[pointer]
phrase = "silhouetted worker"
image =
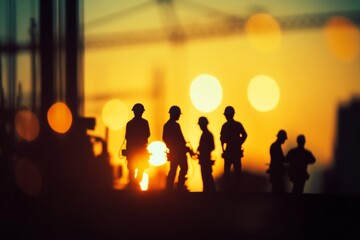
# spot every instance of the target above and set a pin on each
(298, 159)
(206, 146)
(277, 168)
(175, 142)
(136, 136)
(232, 137)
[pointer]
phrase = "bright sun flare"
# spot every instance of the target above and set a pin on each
(263, 93)
(205, 93)
(157, 150)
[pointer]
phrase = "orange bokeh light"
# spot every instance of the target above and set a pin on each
(27, 125)
(343, 38)
(59, 117)
(263, 32)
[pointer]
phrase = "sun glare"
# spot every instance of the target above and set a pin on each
(157, 150)
(27, 125)
(343, 38)
(263, 32)
(205, 93)
(115, 114)
(263, 93)
(59, 117)
(144, 184)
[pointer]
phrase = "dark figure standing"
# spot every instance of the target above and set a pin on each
(298, 159)
(277, 168)
(175, 142)
(232, 136)
(136, 136)
(206, 146)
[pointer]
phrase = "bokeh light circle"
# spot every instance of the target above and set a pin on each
(28, 177)
(343, 38)
(263, 32)
(263, 93)
(115, 114)
(206, 93)
(27, 125)
(59, 117)
(158, 153)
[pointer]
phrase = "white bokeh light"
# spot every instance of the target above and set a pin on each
(263, 93)
(206, 93)
(115, 114)
(158, 153)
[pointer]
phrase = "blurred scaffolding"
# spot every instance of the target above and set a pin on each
(214, 22)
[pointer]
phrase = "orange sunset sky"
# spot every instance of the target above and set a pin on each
(314, 71)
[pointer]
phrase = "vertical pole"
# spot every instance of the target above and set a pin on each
(2, 98)
(73, 55)
(33, 63)
(12, 54)
(46, 56)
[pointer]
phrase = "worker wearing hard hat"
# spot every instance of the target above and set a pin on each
(136, 136)
(175, 142)
(232, 137)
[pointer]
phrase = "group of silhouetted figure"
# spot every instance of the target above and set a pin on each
(294, 164)
(232, 136)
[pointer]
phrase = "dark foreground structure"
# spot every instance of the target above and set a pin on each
(163, 215)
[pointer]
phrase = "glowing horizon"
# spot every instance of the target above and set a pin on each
(311, 74)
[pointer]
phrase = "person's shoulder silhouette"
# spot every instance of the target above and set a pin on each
(175, 142)
(276, 169)
(136, 135)
(298, 159)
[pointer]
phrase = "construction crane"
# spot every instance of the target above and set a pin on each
(222, 24)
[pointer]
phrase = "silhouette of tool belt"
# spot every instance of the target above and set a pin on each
(124, 152)
(228, 154)
(127, 153)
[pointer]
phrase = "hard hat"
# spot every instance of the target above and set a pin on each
(203, 121)
(229, 110)
(138, 107)
(282, 133)
(174, 110)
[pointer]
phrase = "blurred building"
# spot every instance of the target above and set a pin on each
(344, 175)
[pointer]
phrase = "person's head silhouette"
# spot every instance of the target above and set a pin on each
(229, 112)
(282, 136)
(175, 112)
(301, 140)
(203, 122)
(138, 109)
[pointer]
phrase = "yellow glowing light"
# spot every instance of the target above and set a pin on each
(115, 114)
(263, 32)
(205, 93)
(144, 184)
(158, 153)
(343, 38)
(27, 125)
(28, 177)
(263, 93)
(59, 117)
